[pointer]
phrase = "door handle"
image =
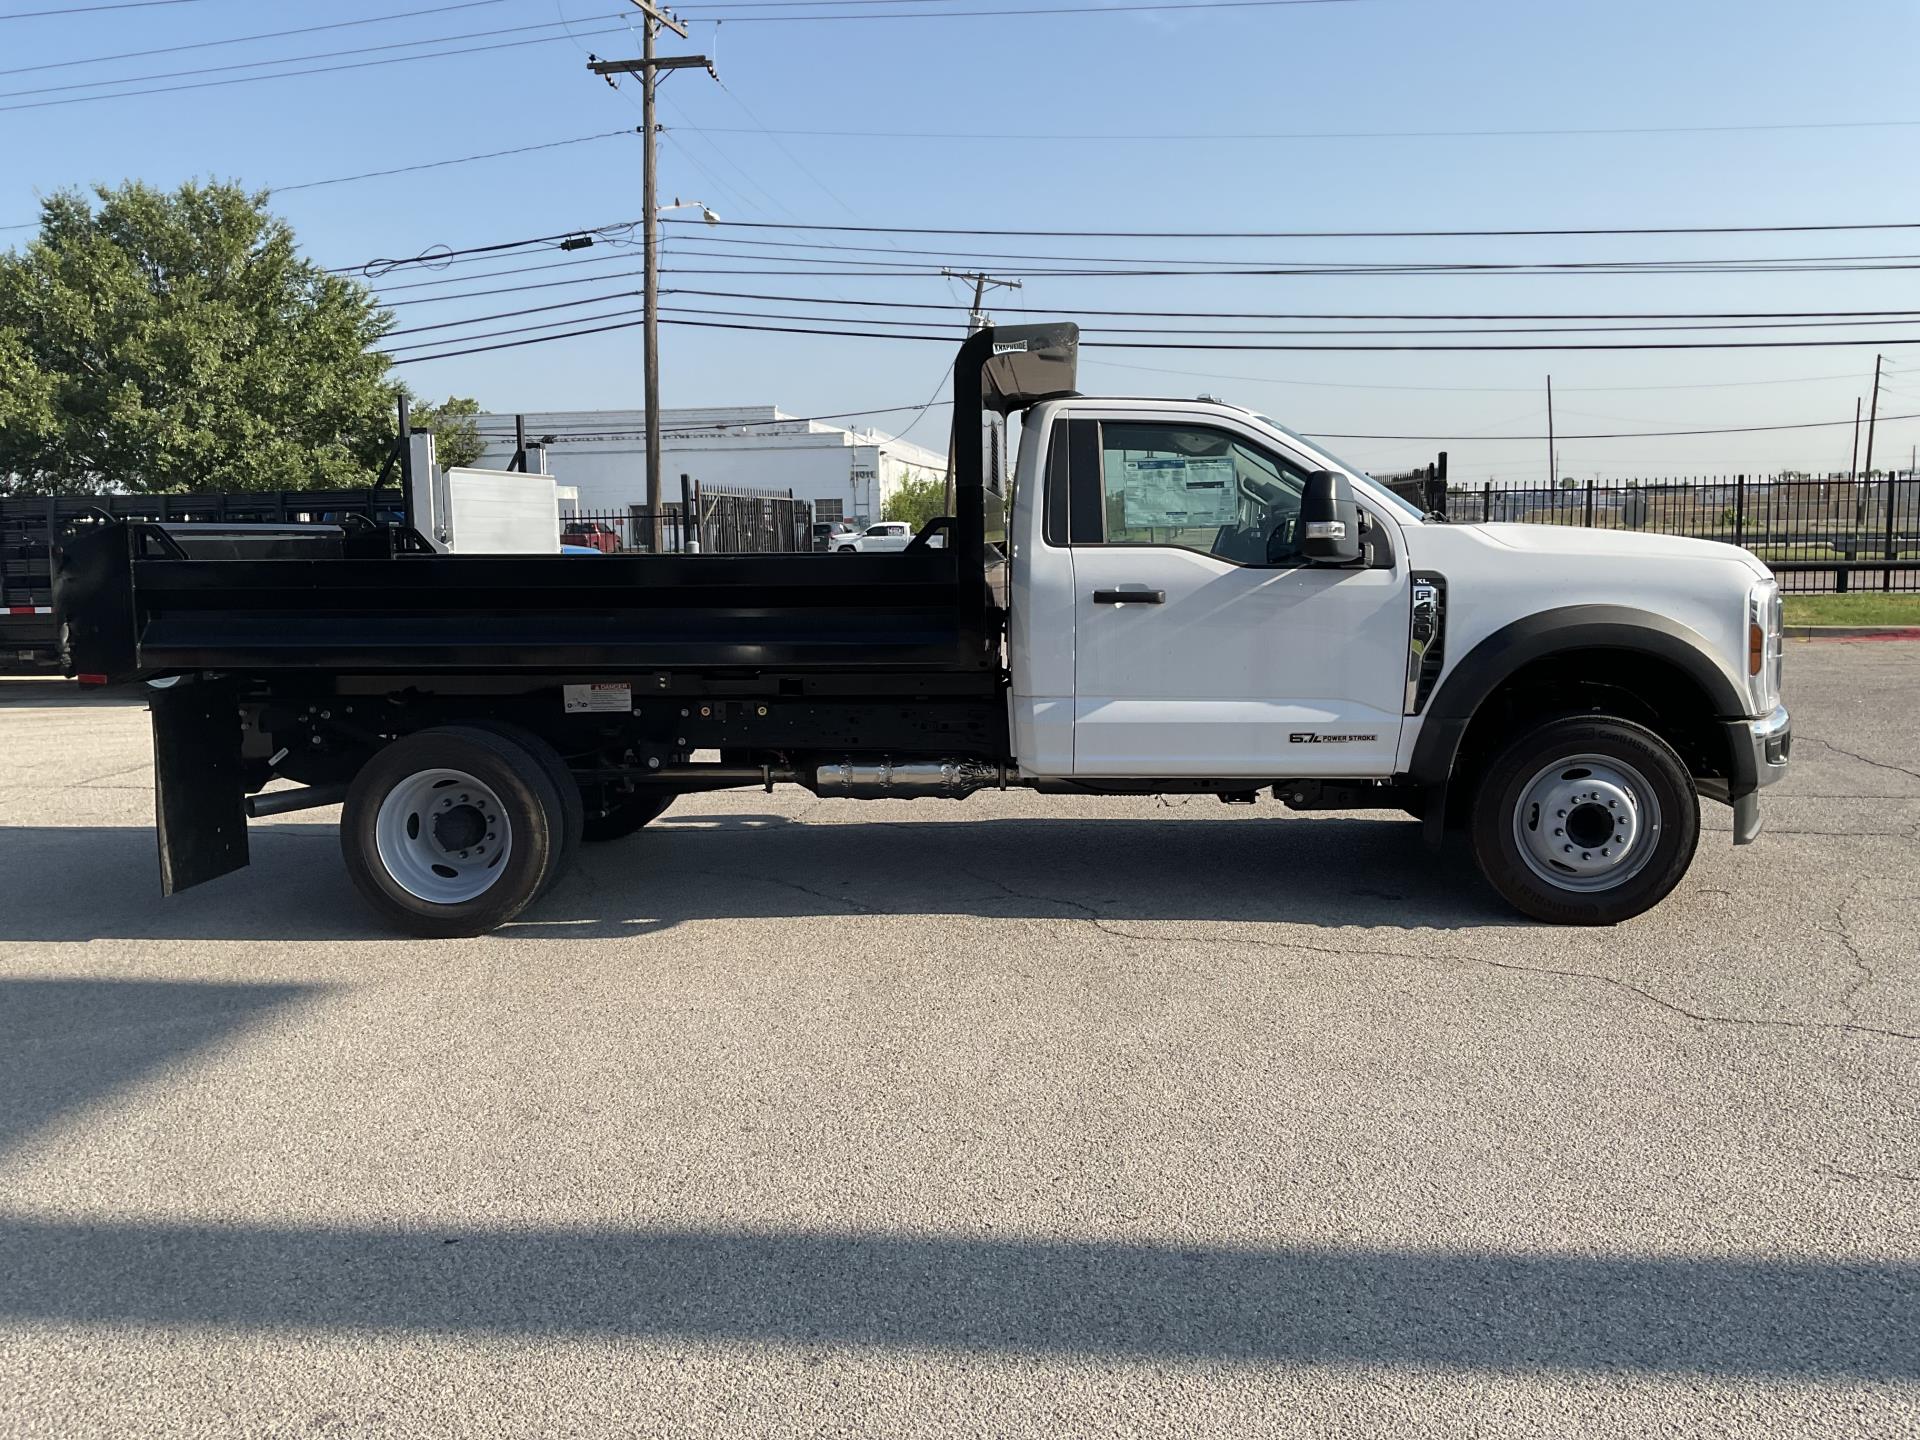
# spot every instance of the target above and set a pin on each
(1129, 597)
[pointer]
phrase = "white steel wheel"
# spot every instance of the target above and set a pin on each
(452, 831)
(1587, 822)
(443, 836)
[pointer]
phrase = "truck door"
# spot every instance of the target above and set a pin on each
(1203, 644)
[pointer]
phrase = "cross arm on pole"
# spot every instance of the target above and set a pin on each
(660, 15)
(662, 62)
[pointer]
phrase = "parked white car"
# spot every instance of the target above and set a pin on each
(887, 535)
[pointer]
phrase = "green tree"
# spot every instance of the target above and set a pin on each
(916, 500)
(456, 439)
(173, 341)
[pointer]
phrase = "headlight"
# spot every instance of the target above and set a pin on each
(1766, 646)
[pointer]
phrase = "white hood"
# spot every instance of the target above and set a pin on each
(1577, 540)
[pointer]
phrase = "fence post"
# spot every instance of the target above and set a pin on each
(1486, 502)
(1739, 509)
(1892, 492)
(689, 534)
(1589, 520)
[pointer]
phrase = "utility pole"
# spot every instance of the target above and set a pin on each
(1873, 414)
(1853, 465)
(976, 322)
(1553, 480)
(648, 68)
(977, 316)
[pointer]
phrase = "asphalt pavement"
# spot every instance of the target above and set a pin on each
(1019, 1116)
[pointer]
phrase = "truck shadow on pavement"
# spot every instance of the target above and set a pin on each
(56, 692)
(92, 882)
(66, 1043)
(1454, 1310)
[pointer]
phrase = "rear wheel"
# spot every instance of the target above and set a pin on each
(452, 831)
(622, 816)
(1587, 820)
(572, 808)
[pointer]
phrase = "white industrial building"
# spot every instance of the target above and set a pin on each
(602, 455)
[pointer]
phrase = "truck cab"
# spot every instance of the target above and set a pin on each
(1174, 596)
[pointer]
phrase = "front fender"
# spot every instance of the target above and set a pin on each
(1496, 659)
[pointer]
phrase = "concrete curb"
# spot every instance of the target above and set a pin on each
(1852, 632)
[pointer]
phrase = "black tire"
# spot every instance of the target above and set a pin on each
(621, 819)
(526, 799)
(848, 550)
(573, 809)
(1533, 818)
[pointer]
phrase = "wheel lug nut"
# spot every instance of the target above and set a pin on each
(1558, 833)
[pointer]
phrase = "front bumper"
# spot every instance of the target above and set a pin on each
(1761, 750)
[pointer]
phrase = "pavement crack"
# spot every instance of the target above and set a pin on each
(1673, 1007)
(1843, 931)
(1863, 759)
(858, 907)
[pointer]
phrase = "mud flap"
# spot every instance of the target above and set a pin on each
(197, 788)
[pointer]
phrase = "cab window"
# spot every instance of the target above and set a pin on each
(1199, 489)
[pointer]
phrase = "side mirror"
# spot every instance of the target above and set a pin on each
(1329, 521)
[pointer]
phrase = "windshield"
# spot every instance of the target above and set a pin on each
(1406, 508)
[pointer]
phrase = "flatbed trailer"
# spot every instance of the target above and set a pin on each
(1182, 596)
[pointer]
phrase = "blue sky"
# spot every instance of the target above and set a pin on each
(1372, 65)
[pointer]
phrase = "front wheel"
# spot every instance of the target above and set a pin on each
(1588, 820)
(848, 550)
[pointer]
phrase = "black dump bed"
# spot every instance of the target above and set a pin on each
(135, 610)
(141, 599)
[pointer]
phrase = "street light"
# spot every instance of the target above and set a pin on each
(705, 214)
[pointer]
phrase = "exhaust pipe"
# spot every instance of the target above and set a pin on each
(285, 802)
(911, 780)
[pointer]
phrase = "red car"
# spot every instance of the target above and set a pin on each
(594, 534)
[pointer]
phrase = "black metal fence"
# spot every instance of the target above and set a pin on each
(1820, 534)
(713, 520)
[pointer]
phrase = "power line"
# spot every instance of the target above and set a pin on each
(247, 39)
(406, 169)
(583, 428)
(905, 272)
(1028, 233)
(1610, 435)
(313, 70)
(1218, 137)
(1187, 345)
(1320, 435)
(849, 255)
(281, 60)
(511, 314)
(842, 248)
(1218, 330)
(1463, 389)
(435, 255)
(1311, 314)
(735, 19)
(516, 290)
(458, 160)
(88, 9)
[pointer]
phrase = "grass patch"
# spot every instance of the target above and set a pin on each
(1853, 609)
